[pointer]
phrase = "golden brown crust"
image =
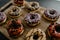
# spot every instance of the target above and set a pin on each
(32, 25)
(29, 6)
(10, 12)
(49, 18)
(32, 22)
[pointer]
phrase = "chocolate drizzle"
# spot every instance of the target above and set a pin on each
(14, 24)
(32, 18)
(14, 12)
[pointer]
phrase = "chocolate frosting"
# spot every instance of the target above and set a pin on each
(32, 18)
(51, 13)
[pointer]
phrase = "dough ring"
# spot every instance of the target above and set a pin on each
(32, 6)
(36, 34)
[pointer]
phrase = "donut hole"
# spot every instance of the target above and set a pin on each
(32, 17)
(52, 12)
(57, 28)
(14, 10)
(33, 4)
(14, 24)
(35, 36)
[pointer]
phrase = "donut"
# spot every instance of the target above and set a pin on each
(32, 6)
(14, 12)
(54, 30)
(51, 15)
(36, 34)
(3, 18)
(32, 19)
(18, 2)
(15, 28)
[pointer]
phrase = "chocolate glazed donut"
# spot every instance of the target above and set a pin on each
(51, 15)
(32, 19)
(54, 30)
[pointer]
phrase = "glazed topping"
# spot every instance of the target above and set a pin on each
(14, 11)
(2, 16)
(57, 28)
(14, 24)
(51, 14)
(32, 18)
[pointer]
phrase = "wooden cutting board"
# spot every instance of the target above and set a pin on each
(43, 23)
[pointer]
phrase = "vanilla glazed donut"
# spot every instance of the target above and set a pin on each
(15, 28)
(32, 19)
(51, 15)
(36, 34)
(14, 12)
(32, 6)
(54, 30)
(3, 17)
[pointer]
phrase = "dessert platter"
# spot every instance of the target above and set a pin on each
(24, 20)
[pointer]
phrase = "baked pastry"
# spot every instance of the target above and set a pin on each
(54, 30)
(15, 28)
(32, 19)
(3, 17)
(51, 15)
(36, 34)
(19, 2)
(32, 6)
(14, 12)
